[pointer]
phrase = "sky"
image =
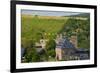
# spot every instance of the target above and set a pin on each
(48, 13)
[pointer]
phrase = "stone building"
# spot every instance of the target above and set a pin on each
(65, 47)
(73, 40)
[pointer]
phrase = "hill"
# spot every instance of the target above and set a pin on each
(82, 15)
(36, 27)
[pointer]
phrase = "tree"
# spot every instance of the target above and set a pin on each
(80, 28)
(50, 47)
(31, 55)
(27, 43)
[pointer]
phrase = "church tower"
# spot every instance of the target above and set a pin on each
(73, 40)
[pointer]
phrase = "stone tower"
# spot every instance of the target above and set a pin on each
(58, 49)
(73, 40)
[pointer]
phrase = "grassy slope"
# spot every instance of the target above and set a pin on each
(33, 25)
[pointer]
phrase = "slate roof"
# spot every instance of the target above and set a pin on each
(64, 43)
(82, 50)
(22, 52)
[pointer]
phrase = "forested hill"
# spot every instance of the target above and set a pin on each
(82, 15)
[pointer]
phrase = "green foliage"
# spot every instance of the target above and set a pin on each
(27, 43)
(50, 44)
(44, 56)
(80, 28)
(50, 47)
(31, 55)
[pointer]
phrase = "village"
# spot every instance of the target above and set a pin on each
(47, 38)
(65, 50)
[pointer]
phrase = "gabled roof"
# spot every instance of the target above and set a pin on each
(64, 43)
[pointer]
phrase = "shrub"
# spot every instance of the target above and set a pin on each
(31, 55)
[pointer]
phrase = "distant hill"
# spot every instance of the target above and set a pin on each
(82, 15)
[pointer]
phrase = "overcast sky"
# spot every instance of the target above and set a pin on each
(48, 13)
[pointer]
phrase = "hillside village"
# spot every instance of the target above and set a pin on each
(66, 49)
(51, 38)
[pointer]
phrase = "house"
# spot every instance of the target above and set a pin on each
(40, 46)
(65, 47)
(82, 53)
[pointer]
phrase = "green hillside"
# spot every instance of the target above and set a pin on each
(35, 27)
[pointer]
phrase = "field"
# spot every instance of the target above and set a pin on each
(31, 26)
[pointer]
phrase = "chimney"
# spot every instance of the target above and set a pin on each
(73, 40)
